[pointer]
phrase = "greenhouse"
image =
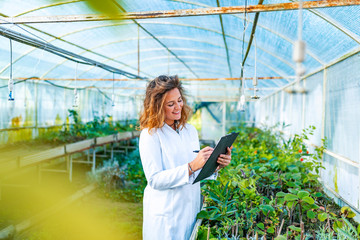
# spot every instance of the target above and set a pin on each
(87, 147)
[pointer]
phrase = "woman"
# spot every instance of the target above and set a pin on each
(171, 202)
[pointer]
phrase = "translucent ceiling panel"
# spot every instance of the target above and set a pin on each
(7, 7)
(51, 8)
(156, 5)
(34, 64)
(17, 53)
(229, 3)
(277, 32)
(347, 18)
(94, 35)
(321, 36)
(64, 69)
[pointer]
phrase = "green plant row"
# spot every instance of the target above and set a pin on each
(271, 190)
(122, 178)
(78, 130)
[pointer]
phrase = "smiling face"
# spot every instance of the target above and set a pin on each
(173, 105)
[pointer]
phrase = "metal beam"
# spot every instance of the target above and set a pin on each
(182, 12)
(60, 39)
(164, 37)
(259, 25)
(251, 38)
(130, 79)
(201, 88)
(8, 33)
(225, 43)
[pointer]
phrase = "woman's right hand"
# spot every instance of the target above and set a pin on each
(201, 158)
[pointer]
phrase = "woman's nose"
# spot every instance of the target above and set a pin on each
(177, 106)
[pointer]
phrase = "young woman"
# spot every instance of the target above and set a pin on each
(171, 202)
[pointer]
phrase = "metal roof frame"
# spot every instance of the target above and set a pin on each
(183, 12)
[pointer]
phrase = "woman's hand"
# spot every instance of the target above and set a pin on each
(224, 159)
(201, 158)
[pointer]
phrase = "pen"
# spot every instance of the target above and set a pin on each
(196, 151)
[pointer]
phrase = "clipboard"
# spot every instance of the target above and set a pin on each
(220, 148)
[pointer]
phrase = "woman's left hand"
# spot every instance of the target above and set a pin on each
(224, 159)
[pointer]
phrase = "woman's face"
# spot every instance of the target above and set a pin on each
(173, 106)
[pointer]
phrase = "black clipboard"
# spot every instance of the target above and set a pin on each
(220, 148)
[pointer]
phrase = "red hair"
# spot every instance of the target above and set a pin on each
(153, 115)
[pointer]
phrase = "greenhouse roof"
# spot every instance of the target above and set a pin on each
(205, 50)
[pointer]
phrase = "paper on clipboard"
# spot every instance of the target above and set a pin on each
(220, 148)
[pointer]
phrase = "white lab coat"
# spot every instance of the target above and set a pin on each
(171, 202)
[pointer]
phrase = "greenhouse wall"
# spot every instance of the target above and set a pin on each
(39, 107)
(218, 118)
(331, 105)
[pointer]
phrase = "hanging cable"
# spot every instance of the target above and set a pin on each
(299, 54)
(25, 94)
(242, 99)
(113, 88)
(255, 79)
(11, 81)
(76, 97)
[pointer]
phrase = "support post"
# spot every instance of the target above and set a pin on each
(323, 110)
(94, 161)
(112, 151)
(303, 106)
(224, 118)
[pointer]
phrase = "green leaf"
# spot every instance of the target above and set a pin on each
(292, 227)
(310, 214)
(262, 169)
(291, 184)
(261, 226)
(349, 225)
(203, 214)
(294, 191)
(347, 235)
(348, 212)
(337, 224)
(314, 206)
(351, 215)
(291, 197)
(281, 237)
(344, 209)
(290, 204)
(322, 216)
(244, 183)
(302, 194)
(281, 194)
(308, 200)
(318, 194)
(271, 230)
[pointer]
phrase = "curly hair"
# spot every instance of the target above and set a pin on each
(153, 114)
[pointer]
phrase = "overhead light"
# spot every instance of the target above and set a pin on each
(241, 103)
(298, 57)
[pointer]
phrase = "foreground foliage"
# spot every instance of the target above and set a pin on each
(272, 190)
